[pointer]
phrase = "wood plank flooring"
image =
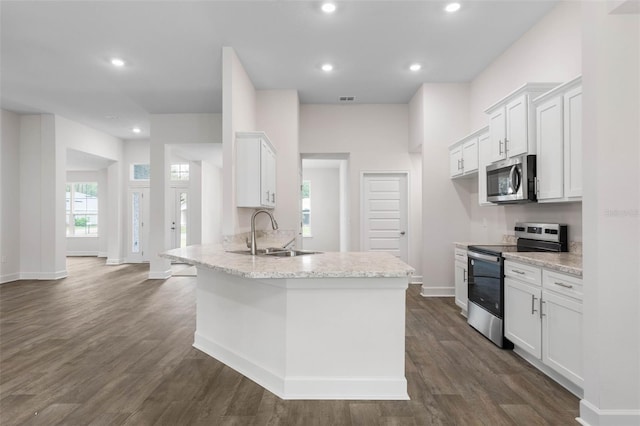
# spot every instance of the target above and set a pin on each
(106, 346)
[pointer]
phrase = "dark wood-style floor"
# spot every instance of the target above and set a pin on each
(106, 346)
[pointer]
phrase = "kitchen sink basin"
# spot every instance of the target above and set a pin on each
(276, 252)
(291, 253)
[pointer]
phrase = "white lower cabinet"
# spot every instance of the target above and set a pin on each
(461, 277)
(543, 318)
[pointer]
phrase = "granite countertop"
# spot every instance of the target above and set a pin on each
(567, 263)
(321, 265)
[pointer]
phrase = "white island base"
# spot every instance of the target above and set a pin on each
(307, 338)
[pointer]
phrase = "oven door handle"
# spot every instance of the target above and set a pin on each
(486, 257)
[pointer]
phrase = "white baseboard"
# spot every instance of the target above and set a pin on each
(437, 291)
(6, 278)
(323, 388)
(44, 276)
(160, 275)
(112, 261)
(551, 373)
(590, 415)
(82, 253)
(416, 279)
(102, 254)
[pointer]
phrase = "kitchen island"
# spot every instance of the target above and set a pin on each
(318, 326)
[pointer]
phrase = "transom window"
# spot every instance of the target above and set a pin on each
(140, 172)
(180, 171)
(82, 209)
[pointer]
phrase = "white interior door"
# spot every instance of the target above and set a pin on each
(179, 218)
(138, 225)
(384, 214)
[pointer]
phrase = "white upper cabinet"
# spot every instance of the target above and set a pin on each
(255, 170)
(463, 156)
(484, 153)
(510, 122)
(559, 143)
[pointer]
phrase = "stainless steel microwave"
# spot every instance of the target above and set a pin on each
(512, 181)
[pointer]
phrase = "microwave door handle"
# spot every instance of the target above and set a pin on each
(514, 179)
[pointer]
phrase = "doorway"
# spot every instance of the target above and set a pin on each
(324, 210)
(384, 213)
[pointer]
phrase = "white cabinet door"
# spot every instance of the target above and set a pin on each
(461, 289)
(455, 161)
(484, 153)
(516, 117)
(497, 135)
(550, 149)
(573, 143)
(255, 170)
(265, 189)
(562, 336)
(521, 315)
(470, 156)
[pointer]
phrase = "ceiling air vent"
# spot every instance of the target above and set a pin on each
(347, 98)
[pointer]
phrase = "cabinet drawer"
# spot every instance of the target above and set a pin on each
(563, 284)
(522, 272)
(461, 255)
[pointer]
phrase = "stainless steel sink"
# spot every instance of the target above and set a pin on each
(276, 251)
(291, 253)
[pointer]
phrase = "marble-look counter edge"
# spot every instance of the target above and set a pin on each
(567, 263)
(322, 265)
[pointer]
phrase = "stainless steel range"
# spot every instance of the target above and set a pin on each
(486, 275)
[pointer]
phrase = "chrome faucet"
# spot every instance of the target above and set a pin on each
(274, 225)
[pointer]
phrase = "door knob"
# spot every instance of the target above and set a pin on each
(402, 232)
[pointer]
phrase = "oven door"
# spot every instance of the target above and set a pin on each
(486, 282)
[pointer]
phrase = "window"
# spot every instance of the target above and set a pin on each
(82, 209)
(180, 171)
(140, 171)
(306, 208)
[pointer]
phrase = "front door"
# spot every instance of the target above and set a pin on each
(385, 214)
(179, 216)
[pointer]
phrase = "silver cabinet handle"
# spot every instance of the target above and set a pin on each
(542, 314)
(273, 197)
(533, 304)
(517, 272)
(505, 146)
(465, 276)
(563, 284)
(500, 146)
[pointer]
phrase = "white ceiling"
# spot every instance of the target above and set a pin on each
(55, 54)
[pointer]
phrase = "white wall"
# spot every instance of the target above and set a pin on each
(278, 115)
(549, 51)
(611, 208)
(376, 138)
(445, 210)
(325, 209)
(212, 210)
(239, 114)
(91, 246)
(9, 197)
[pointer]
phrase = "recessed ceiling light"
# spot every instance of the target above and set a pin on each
(415, 67)
(452, 7)
(136, 130)
(327, 67)
(117, 62)
(328, 7)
